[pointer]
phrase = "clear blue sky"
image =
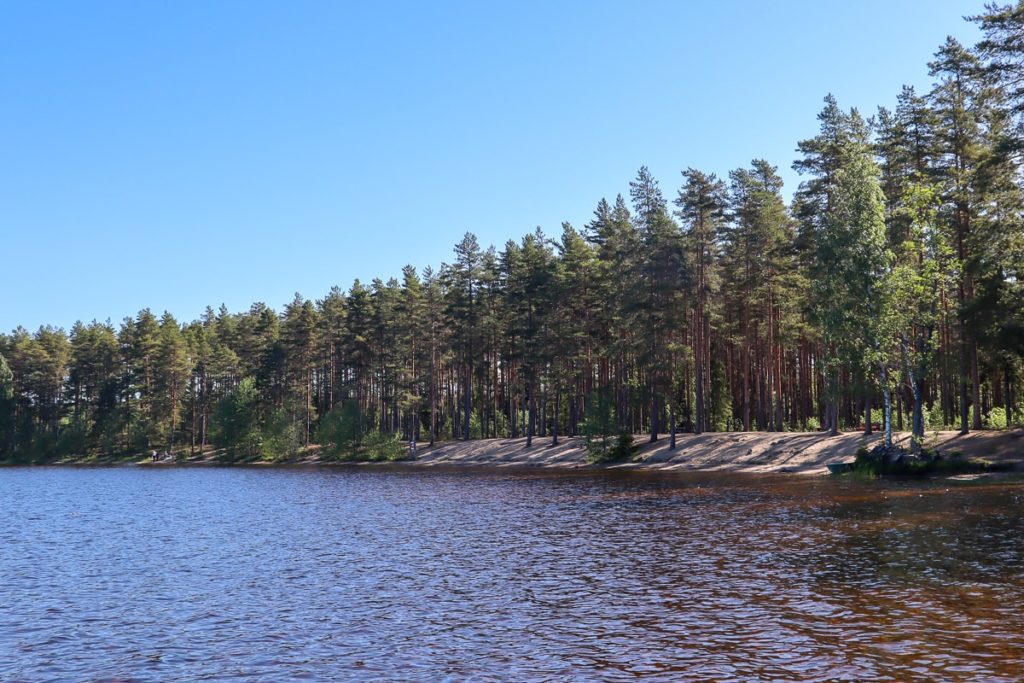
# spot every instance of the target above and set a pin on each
(179, 154)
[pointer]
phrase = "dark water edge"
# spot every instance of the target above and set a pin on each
(400, 572)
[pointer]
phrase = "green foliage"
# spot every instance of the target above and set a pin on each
(476, 430)
(932, 465)
(502, 427)
(604, 441)
(898, 267)
(378, 446)
(6, 408)
(345, 434)
(813, 424)
(73, 438)
(932, 417)
(996, 418)
(342, 430)
(617, 449)
(721, 399)
(598, 427)
(235, 426)
(281, 435)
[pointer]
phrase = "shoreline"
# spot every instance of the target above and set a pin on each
(804, 453)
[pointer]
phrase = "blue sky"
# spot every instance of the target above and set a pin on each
(179, 154)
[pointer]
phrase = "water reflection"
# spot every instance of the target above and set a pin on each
(413, 575)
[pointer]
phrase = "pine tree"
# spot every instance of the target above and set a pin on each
(172, 369)
(531, 278)
(330, 348)
(954, 99)
(759, 268)
(413, 350)
(843, 235)
(1003, 46)
(911, 315)
(298, 335)
(6, 408)
(702, 203)
(463, 281)
(435, 324)
(358, 348)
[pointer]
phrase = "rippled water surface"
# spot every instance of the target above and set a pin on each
(407, 574)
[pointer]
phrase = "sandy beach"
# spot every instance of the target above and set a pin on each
(764, 452)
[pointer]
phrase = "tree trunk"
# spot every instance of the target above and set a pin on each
(467, 409)
(554, 426)
(654, 411)
(964, 410)
(698, 423)
(1008, 397)
(887, 402)
(671, 427)
(531, 417)
(868, 428)
(834, 406)
(975, 387)
(433, 401)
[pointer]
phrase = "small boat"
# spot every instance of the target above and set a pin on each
(839, 467)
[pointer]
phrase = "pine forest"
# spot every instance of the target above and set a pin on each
(888, 295)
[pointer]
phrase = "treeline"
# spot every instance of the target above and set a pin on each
(890, 290)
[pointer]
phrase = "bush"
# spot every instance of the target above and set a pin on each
(996, 418)
(932, 417)
(379, 446)
(344, 435)
(476, 430)
(604, 442)
(281, 436)
(617, 450)
(623, 446)
(341, 430)
(73, 439)
(235, 425)
(813, 424)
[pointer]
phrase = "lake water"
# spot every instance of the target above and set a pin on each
(138, 574)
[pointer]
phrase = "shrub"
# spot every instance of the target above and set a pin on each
(281, 435)
(604, 443)
(813, 424)
(380, 446)
(73, 439)
(996, 418)
(235, 425)
(932, 417)
(345, 435)
(476, 429)
(341, 430)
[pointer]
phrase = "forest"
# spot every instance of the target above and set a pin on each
(888, 294)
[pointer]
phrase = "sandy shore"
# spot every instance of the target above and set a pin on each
(803, 452)
(754, 452)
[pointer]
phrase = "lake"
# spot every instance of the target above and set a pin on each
(404, 573)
